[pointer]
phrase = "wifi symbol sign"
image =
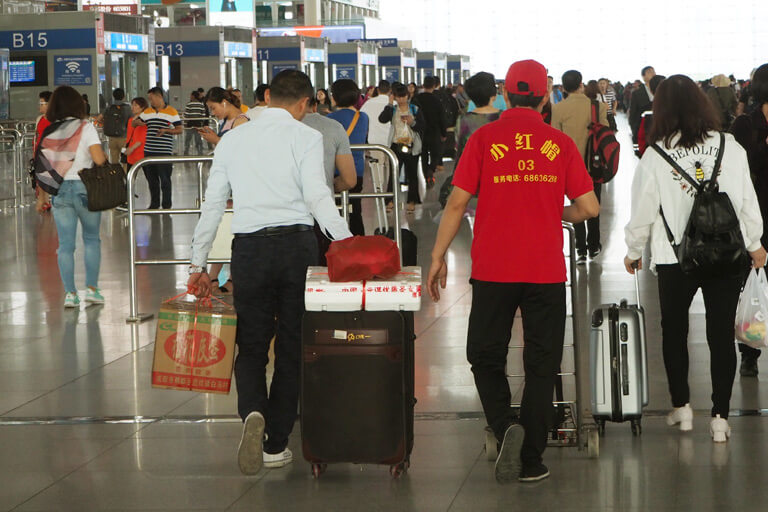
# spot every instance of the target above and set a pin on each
(73, 67)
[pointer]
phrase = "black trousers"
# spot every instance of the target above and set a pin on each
(588, 233)
(356, 217)
(159, 178)
(411, 164)
(721, 296)
(269, 299)
(431, 153)
(490, 323)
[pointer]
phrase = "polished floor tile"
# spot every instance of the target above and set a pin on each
(63, 373)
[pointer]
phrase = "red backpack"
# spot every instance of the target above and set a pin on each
(602, 157)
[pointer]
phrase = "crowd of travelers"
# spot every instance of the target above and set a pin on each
(482, 125)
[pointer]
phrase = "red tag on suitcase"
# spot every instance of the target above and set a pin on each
(362, 258)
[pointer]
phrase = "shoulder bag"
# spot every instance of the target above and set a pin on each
(106, 186)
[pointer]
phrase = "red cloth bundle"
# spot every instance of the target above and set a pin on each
(362, 258)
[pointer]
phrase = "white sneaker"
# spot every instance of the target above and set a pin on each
(249, 453)
(277, 460)
(682, 415)
(719, 429)
(71, 300)
(94, 296)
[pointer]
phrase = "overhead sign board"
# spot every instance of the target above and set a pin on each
(124, 42)
(187, 49)
(335, 34)
(238, 49)
(384, 43)
(54, 39)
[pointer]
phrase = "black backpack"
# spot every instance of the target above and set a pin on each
(116, 120)
(712, 244)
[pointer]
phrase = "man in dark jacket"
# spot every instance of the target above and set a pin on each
(751, 131)
(641, 101)
(434, 132)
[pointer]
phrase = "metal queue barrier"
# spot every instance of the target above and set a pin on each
(179, 142)
(134, 315)
(16, 140)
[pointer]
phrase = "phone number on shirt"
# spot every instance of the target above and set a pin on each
(527, 178)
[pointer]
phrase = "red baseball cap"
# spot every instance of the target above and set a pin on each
(527, 78)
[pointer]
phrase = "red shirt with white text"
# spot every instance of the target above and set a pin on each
(521, 169)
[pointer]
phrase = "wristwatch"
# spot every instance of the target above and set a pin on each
(194, 269)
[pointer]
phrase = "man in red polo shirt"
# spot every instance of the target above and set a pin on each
(521, 169)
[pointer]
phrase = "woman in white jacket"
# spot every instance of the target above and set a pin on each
(685, 127)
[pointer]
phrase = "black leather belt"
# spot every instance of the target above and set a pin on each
(276, 231)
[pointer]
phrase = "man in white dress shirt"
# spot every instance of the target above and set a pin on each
(277, 197)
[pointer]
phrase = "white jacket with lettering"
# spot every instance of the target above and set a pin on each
(656, 184)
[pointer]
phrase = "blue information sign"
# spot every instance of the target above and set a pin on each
(72, 70)
(124, 42)
(55, 39)
(187, 49)
(314, 55)
(346, 72)
(279, 54)
(392, 75)
(238, 50)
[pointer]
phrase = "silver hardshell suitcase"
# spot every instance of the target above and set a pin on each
(619, 363)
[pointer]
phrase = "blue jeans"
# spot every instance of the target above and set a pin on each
(69, 205)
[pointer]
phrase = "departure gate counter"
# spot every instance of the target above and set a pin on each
(433, 64)
(192, 57)
(305, 53)
(356, 61)
(91, 51)
(398, 64)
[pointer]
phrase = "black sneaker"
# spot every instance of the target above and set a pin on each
(748, 367)
(596, 252)
(508, 462)
(534, 473)
(581, 258)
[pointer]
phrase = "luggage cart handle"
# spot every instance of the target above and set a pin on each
(394, 195)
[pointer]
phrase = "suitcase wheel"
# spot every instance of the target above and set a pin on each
(593, 443)
(637, 428)
(318, 469)
(491, 444)
(397, 470)
(601, 428)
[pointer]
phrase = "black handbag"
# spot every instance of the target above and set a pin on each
(106, 186)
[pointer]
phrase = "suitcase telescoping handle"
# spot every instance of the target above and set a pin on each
(394, 195)
(637, 283)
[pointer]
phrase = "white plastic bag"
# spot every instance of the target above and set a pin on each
(752, 312)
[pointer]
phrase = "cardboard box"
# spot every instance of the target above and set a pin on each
(194, 346)
(401, 292)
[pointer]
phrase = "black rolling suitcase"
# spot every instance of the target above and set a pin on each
(357, 389)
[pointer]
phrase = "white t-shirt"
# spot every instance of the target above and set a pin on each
(89, 137)
(378, 133)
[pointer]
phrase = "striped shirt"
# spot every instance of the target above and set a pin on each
(608, 98)
(195, 110)
(156, 119)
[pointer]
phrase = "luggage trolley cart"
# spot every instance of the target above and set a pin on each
(571, 428)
